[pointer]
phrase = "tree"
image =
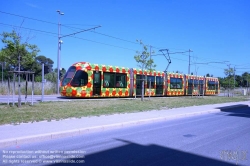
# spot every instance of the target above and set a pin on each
(229, 73)
(37, 66)
(52, 77)
(1, 56)
(221, 81)
(16, 50)
(18, 55)
(209, 75)
(177, 71)
(143, 58)
(238, 80)
(246, 79)
(145, 62)
(46, 61)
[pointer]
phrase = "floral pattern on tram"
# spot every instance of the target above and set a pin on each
(151, 77)
(195, 88)
(212, 86)
(175, 84)
(87, 90)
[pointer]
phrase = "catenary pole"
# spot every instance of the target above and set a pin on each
(59, 50)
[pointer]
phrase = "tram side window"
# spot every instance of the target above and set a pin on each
(139, 79)
(152, 80)
(159, 80)
(179, 83)
(80, 79)
(193, 82)
(190, 83)
(114, 80)
(216, 85)
(175, 83)
(211, 85)
(108, 80)
(196, 83)
(121, 80)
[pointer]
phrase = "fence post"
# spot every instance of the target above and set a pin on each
(26, 87)
(32, 92)
(8, 89)
(42, 81)
(13, 90)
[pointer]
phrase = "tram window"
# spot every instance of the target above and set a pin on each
(178, 83)
(175, 83)
(190, 83)
(139, 79)
(97, 78)
(196, 83)
(193, 82)
(69, 75)
(109, 79)
(211, 85)
(216, 85)
(121, 80)
(114, 80)
(152, 80)
(80, 79)
(159, 80)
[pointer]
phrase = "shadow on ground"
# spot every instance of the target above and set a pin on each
(136, 154)
(239, 110)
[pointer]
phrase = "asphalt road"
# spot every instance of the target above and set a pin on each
(212, 139)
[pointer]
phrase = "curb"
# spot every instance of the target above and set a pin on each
(75, 132)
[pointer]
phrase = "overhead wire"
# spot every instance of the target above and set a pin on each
(102, 43)
(55, 35)
(71, 37)
(64, 25)
(29, 29)
(182, 51)
(103, 35)
(28, 17)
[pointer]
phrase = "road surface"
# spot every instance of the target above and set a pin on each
(212, 139)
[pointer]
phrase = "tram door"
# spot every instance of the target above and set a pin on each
(201, 84)
(97, 83)
(159, 85)
(216, 88)
(190, 86)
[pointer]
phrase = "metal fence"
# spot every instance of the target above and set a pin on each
(230, 92)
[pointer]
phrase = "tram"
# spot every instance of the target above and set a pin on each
(86, 80)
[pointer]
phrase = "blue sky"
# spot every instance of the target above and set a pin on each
(215, 30)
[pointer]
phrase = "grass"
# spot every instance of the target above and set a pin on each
(81, 108)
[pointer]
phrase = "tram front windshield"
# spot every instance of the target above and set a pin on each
(69, 75)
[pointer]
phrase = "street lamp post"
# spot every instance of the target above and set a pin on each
(59, 50)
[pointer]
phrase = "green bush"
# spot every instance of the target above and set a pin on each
(38, 79)
(51, 77)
